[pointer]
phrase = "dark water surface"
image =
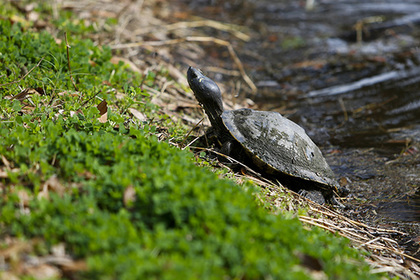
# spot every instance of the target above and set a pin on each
(349, 73)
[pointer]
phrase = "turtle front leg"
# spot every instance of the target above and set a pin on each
(321, 198)
(227, 148)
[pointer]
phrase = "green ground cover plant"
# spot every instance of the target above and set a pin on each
(127, 204)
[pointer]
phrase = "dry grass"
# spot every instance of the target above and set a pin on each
(385, 254)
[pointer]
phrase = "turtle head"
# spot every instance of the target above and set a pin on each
(207, 94)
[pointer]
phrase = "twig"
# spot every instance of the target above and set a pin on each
(369, 242)
(217, 41)
(343, 107)
(68, 61)
(330, 213)
(332, 226)
(24, 76)
(345, 233)
(233, 29)
(230, 159)
(192, 142)
(89, 100)
(188, 134)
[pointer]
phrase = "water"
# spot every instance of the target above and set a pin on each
(349, 73)
(354, 97)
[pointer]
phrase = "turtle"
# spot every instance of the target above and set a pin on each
(273, 144)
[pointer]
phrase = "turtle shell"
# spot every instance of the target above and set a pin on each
(277, 144)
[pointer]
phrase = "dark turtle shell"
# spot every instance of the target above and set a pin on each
(278, 145)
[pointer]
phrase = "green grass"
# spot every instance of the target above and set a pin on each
(182, 221)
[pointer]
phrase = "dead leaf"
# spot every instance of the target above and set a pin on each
(52, 184)
(24, 197)
(102, 107)
(87, 175)
(139, 115)
(3, 173)
(43, 193)
(22, 95)
(103, 118)
(315, 64)
(273, 38)
(103, 111)
(73, 113)
(120, 95)
(43, 271)
(70, 93)
(15, 249)
(75, 266)
(5, 162)
(33, 16)
(411, 151)
(59, 250)
(129, 195)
